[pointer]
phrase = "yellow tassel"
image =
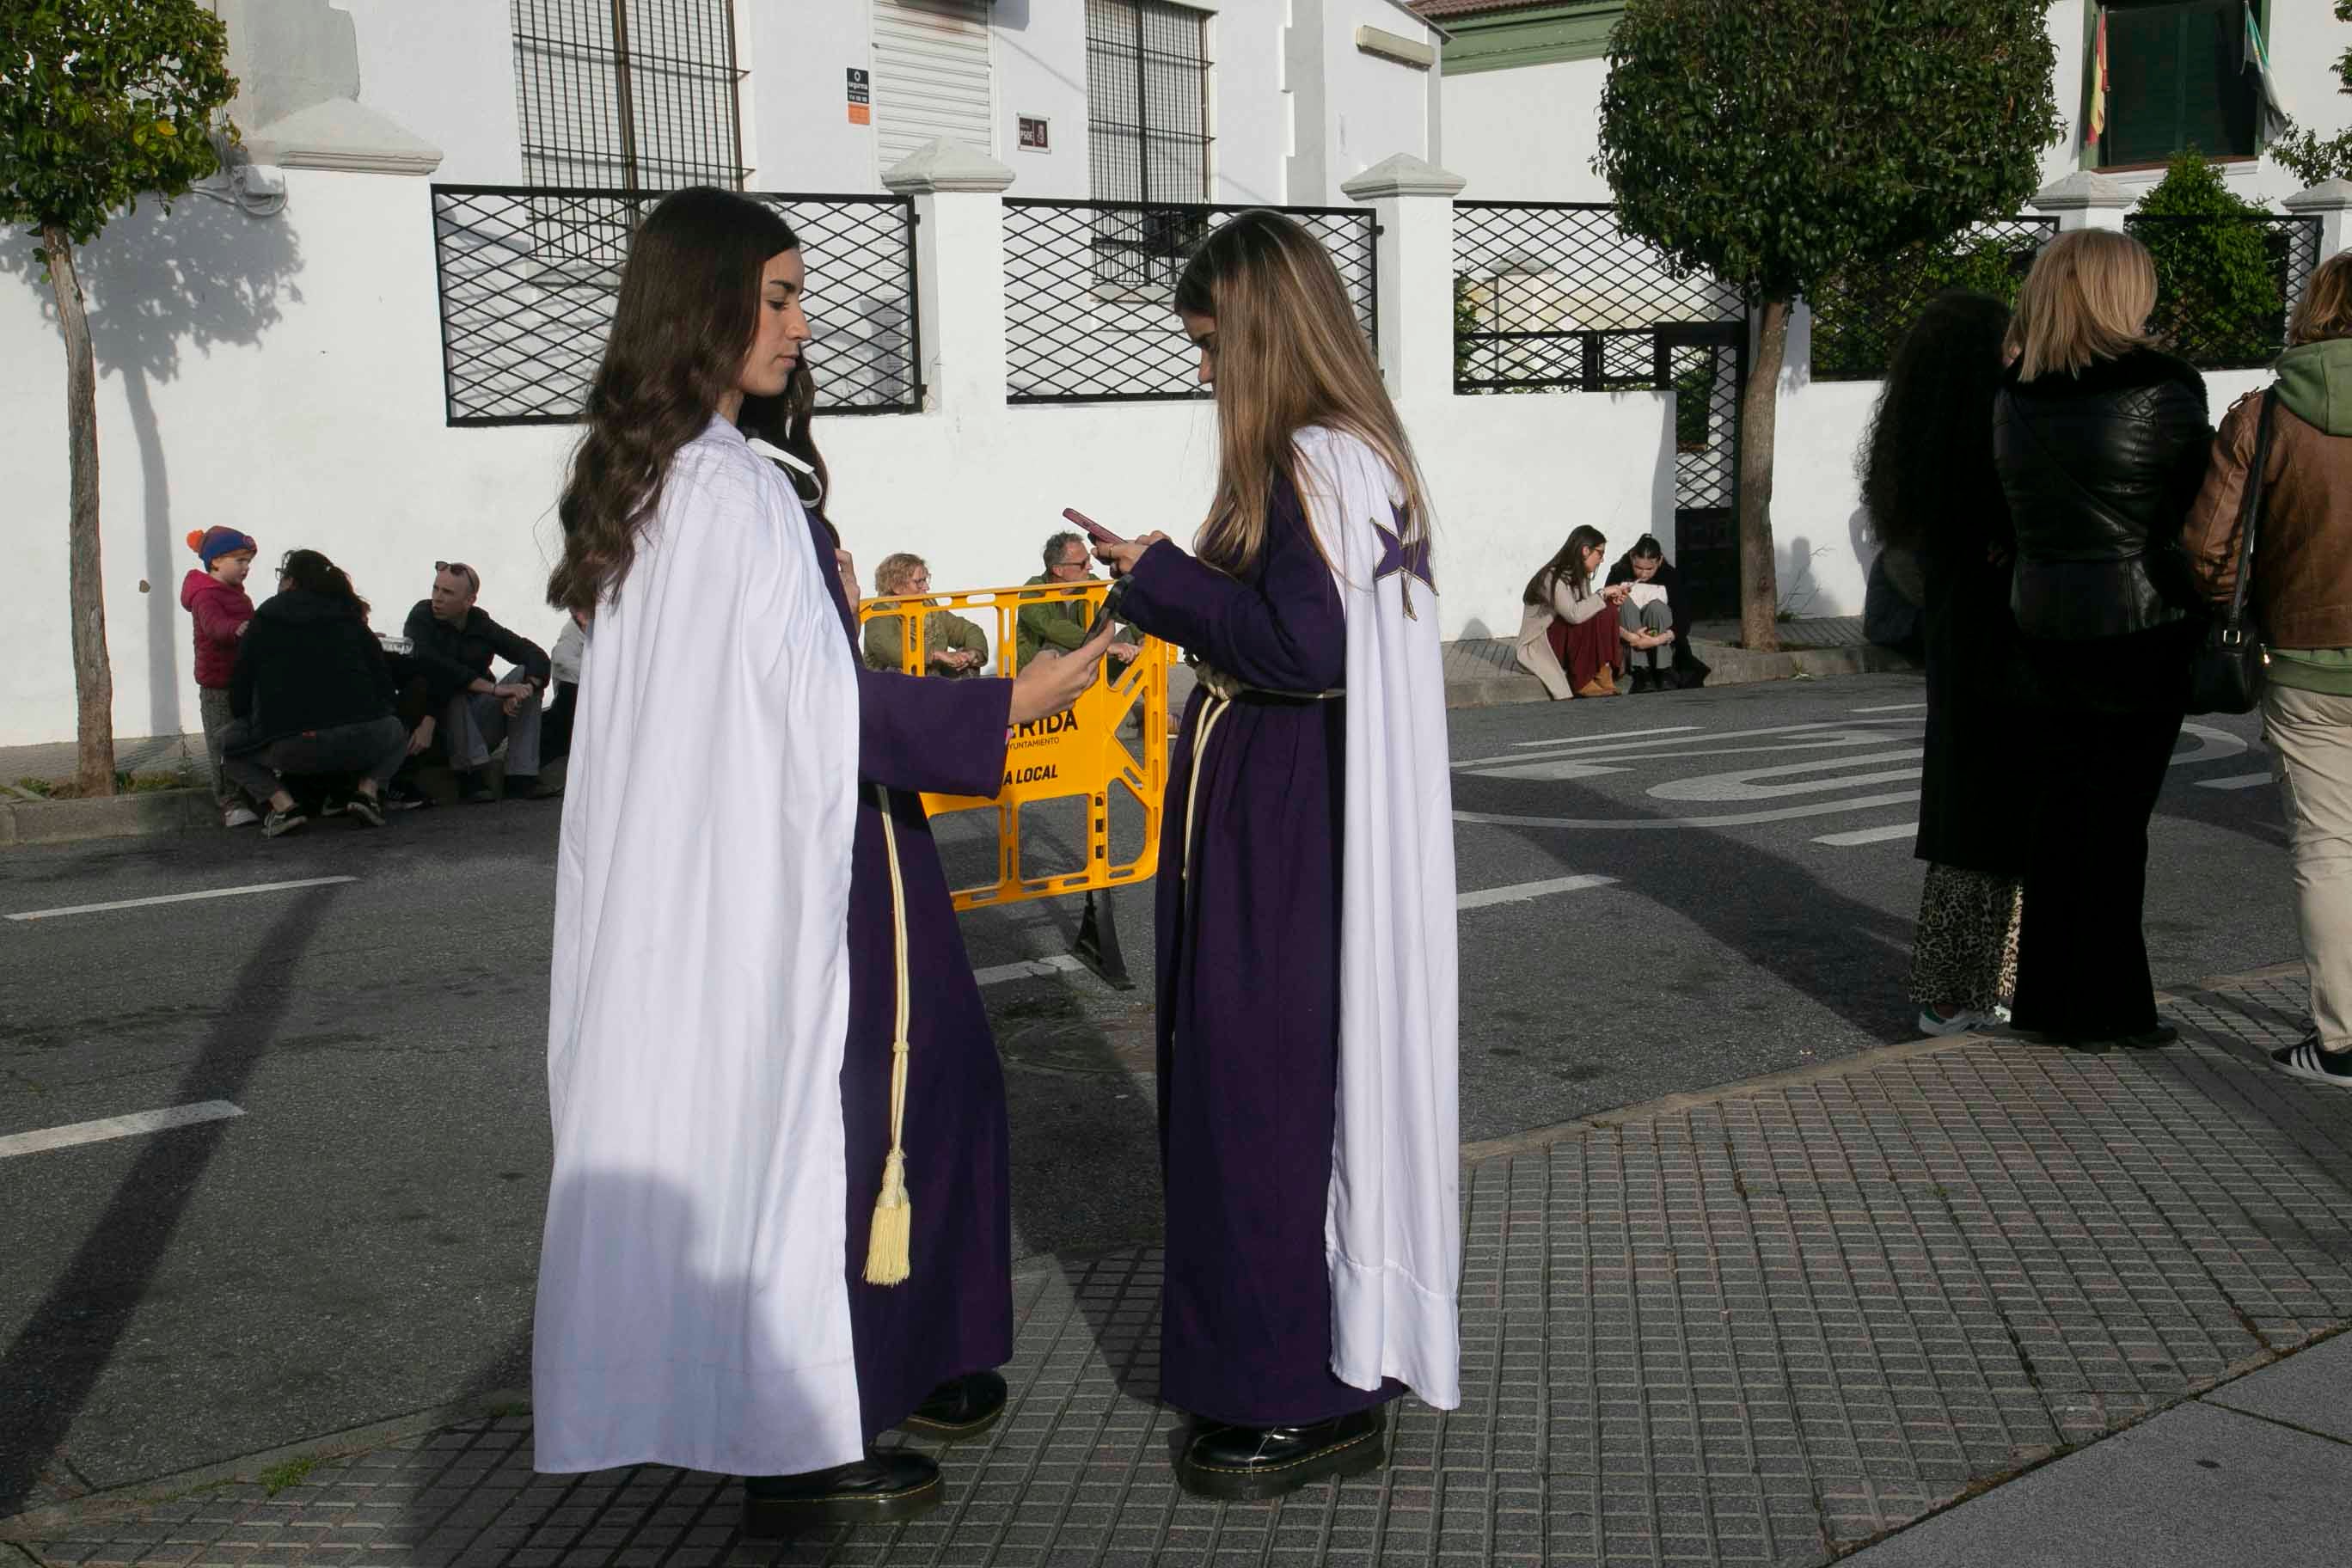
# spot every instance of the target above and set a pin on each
(887, 1259)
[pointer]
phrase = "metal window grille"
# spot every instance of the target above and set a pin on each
(528, 277)
(1088, 293)
(1147, 102)
(1859, 319)
(2210, 317)
(628, 94)
(1555, 295)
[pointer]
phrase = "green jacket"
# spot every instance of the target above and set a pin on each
(885, 647)
(1059, 624)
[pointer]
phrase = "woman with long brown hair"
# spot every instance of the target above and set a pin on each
(778, 1222)
(1570, 634)
(1309, 1128)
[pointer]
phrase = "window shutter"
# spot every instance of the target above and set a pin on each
(931, 76)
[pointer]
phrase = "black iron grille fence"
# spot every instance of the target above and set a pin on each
(1550, 294)
(2227, 284)
(1089, 287)
(528, 277)
(1859, 319)
(639, 94)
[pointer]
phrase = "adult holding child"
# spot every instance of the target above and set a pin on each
(1305, 923)
(778, 1220)
(2101, 442)
(1934, 495)
(2296, 479)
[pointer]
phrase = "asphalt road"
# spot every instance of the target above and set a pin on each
(1661, 894)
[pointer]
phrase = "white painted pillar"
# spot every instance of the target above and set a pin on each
(2329, 202)
(2085, 200)
(958, 195)
(1413, 203)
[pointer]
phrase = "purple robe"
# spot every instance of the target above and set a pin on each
(1248, 959)
(954, 1314)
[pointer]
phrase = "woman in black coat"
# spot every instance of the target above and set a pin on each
(1935, 497)
(2102, 443)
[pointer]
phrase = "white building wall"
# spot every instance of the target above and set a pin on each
(1373, 107)
(1527, 135)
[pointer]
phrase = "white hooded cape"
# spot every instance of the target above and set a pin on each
(1392, 1231)
(693, 1309)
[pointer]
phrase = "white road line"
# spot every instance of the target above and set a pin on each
(108, 1127)
(1521, 892)
(1606, 735)
(2236, 780)
(1869, 835)
(179, 898)
(1621, 749)
(1729, 820)
(1059, 963)
(1891, 708)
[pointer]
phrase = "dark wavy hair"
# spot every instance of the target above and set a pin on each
(1926, 467)
(311, 572)
(1568, 564)
(689, 308)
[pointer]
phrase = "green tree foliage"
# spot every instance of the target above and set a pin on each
(1779, 143)
(100, 101)
(2311, 159)
(2218, 277)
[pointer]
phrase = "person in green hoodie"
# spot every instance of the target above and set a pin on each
(2302, 596)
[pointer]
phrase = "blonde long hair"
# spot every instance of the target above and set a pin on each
(2088, 299)
(2327, 309)
(1289, 354)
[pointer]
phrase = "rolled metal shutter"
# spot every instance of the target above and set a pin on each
(931, 76)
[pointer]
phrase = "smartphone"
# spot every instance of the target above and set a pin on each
(1094, 531)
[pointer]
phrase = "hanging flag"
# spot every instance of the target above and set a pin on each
(2257, 59)
(2095, 126)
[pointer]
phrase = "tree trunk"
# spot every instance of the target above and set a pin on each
(85, 585)
(1760, 577)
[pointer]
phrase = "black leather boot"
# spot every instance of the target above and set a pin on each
(874, 1490)
(1242, 1463)
(959, 1408)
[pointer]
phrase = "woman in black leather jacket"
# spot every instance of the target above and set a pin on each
(2102, 443)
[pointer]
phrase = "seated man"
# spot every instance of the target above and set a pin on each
(453, 643)
(952, 646)
(1052, 629)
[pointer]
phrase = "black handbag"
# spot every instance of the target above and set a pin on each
(2226, 675)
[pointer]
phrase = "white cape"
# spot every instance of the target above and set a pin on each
(693, 1309)
(1392, 1230)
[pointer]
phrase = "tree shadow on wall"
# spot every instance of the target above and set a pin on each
(158, 283)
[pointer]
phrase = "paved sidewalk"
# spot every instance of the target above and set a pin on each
(1768, 1325)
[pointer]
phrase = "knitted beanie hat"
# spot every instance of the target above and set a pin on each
(211, 543)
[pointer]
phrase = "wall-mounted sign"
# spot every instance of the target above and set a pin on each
(1036, 133)
(861, 96)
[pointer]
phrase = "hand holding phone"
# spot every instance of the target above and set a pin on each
(1094, 531)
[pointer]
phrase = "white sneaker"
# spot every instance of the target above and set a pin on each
(240, 816)
(1934, 1023)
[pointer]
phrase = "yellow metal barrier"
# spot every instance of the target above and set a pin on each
(1077, 751)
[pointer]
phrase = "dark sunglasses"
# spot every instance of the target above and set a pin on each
(458, 568)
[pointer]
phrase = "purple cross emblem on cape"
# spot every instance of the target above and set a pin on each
(1402, 559)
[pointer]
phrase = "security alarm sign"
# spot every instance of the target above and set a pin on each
(861, 96)
(1036, 133)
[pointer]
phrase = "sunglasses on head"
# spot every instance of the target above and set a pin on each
(458, 568)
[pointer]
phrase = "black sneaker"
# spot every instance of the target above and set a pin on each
(2307, 1058)
(401, 797)
(366, 809)
(286, 821)
(525, 786)
(473, 791)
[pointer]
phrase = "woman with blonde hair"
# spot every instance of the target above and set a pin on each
(952, 646)
(2302, 598)
(2101, 442)
(1307, 965)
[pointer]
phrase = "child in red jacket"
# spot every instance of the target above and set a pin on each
(215, 596)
